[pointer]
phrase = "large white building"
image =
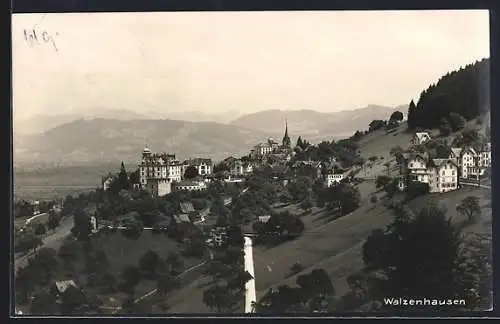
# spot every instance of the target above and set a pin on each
(472, 162)
(158, 171)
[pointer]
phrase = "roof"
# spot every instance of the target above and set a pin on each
(61, 286)
(470, 149)
(264, 219)
(422, 156)
(440, 162)
(199, 161)
(456, 151)
(187, 207)
(420, 135)
(182, 218)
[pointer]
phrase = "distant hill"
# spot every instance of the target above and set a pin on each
(465, 92)
(108, 140)
(310, 123)
(201, 116)
(40, 123)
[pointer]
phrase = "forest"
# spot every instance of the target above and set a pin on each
(465, 92)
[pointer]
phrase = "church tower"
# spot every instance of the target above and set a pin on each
(286, 139)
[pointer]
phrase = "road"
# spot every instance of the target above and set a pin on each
(474, 184)
(53, 241)
(250, 293)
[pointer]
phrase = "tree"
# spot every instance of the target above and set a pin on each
(345, 196)
(373, 199)
(470, 208)
(470, 137)
(307, 203)
(442, 151)
(131, 276)
(219, 298)
(43, 303)
(382, 181)
(396, 150)
(445, 127)
(165, 282)
(299, 142)
(82, 226)
(149, 262)
(53, 221)
(375, 249)
(396, 116)
(28, 242)
(412, 115)
(420, 256)
(123, 182)
(300, 188)
(191, 172)
(376, 124)
(133, 229)
(416, 189)
(457, 122)
(40, 229)
(72, 299)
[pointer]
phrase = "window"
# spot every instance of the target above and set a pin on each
(411, 165)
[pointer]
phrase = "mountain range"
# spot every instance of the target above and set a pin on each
(108, 135)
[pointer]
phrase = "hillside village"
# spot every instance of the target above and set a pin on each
(169, 237)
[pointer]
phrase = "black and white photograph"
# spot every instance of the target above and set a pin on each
(251, 163)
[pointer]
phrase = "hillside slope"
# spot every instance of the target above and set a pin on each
(311, 123)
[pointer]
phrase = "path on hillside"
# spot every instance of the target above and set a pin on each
(250, 293)
(52, 241)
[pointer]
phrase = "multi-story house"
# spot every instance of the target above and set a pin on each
(158, 171)
(485, 156)
(443, 175)
(203, 166)
(417, 168)
(106, 181)
(272, 147)
(440, 174)
(240, 168)
(469, 163)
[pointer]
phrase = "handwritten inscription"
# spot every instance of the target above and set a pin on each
(35, 36)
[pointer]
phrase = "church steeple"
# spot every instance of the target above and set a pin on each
(286, 139)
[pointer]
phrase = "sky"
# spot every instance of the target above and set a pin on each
(237, 61)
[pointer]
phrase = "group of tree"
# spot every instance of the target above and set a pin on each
(457, 96)
(346, 151)
(343, 197)
(226, 272)
(423, 255)
(23, 208)
(279, 228)
(311, 294)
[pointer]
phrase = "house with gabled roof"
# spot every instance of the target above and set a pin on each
(420, 138)
(443, 175)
